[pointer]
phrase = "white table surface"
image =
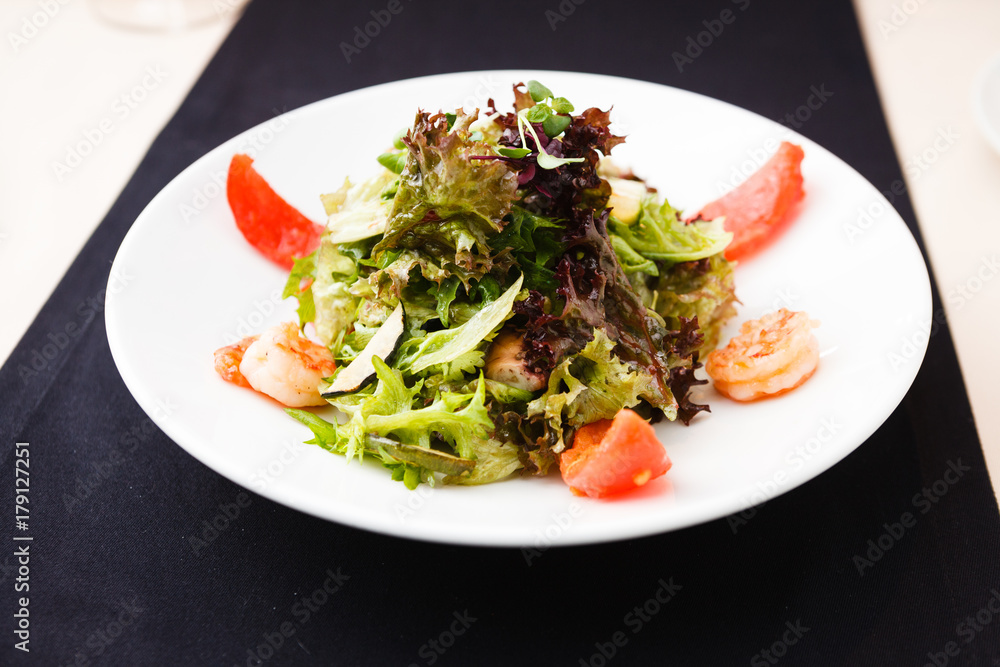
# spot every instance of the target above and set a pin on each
(926, 56)
(76, 84)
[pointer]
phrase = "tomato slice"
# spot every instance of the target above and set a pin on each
(268, 222)
(610, 457)
(759, 208)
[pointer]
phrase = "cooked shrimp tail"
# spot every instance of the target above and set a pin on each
(770, 356)
(281, 363)
(228, 358)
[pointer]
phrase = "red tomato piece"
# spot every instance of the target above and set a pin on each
(268, 222)
(610, 457)
(759, 208)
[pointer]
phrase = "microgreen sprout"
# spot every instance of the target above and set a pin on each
(551, 112)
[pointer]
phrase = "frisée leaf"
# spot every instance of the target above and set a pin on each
(440, 347)
(659, 233)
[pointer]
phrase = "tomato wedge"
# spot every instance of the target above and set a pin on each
(759, 208)
(268, 222)
(610, 457)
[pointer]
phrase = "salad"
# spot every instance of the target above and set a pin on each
(499, 299)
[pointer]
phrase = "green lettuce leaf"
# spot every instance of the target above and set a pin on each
(391, 396)
(335, 306)
(448, 204)
(590, 385)
(327, 435)
(460, 419)
(630, 260)
(533, 240)
(303, 273)
(494, 461)
(678, 269)
(702, 289)
(444, 295)
(409, 464)
(507, 394)
(358, 211)
(448, 345)
(659, 233)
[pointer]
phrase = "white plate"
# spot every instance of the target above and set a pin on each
(185, 283)
(986, 101)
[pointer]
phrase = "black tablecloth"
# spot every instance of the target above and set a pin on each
(888, 558)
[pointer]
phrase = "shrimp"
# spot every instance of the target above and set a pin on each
(280, 363)
(770, 356)
(228, 358)
(505, 363)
